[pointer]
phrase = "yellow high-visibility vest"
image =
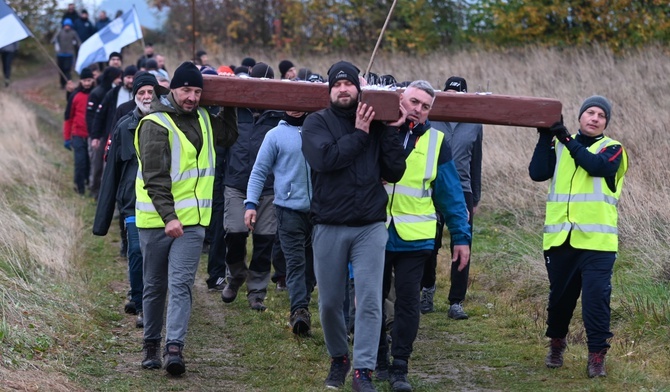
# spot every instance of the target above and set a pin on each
(410, 205)
(192, 175)
(581, 205)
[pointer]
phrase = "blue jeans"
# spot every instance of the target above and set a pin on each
(295, 235)
(134, 263)
(81, 164)
(170, 264)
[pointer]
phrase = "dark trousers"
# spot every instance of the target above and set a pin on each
(278, 259)
(216, 260)
(81, 164)
(295, 233)
(570, 272)
(408, 268)
(7, 58)
(459, 279)
(135, 265)
(65, 65)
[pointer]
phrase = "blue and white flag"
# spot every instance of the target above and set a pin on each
(122, 31)
(11, 26)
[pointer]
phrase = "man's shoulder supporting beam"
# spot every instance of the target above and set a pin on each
(310, 97)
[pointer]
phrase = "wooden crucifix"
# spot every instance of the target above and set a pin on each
(310, 97)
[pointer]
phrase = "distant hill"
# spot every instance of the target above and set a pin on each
(149, 17)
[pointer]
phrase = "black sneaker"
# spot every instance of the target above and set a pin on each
(301, 322)
(398, 376)
(427, 294)
(281, 284)
(362, 381)
(151, 359)
(554, 357)
(339, 368)
(219, 285)
(130, 308)
(174, 360)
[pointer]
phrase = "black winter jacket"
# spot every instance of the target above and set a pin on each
(104, 121)
(348, 166)
(241, 156)
(118, 177)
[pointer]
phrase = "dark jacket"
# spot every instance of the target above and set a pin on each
(348, 166)
(96, 96)
(85, 28)
(154, 148)
(242, 155)
(103, 123)
(118, 177)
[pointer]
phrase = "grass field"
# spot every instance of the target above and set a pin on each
(62, 290)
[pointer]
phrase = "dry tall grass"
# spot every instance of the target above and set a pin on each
(38, 234)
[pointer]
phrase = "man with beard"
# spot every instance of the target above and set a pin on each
(350, 155)
(118, 184)
(174, 188)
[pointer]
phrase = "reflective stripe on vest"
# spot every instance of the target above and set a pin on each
(582, 206)
(192, 175)
(410, 204)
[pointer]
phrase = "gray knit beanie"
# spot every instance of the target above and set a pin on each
(598, 101)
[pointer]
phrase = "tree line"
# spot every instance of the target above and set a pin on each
(417, 26)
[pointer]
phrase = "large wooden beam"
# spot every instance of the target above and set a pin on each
(310, 97)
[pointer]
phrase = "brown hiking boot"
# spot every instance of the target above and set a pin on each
(596, 364)
(555, 356)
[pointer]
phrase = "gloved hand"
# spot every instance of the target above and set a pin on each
(544, 131)
(560, 131)
(68, 145)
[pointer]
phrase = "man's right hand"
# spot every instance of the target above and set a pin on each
(174, 229)
(95, 143)
(250, 219)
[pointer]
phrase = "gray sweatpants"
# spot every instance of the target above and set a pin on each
(170, 265)
(334, 247)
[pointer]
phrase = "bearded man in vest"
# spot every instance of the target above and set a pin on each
(580, 238)
(430, 180)
(175, 149)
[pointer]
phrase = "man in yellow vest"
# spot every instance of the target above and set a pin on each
(174, 186)
(580, 238)
(430, 180)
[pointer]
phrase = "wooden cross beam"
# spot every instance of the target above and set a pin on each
(310, 97)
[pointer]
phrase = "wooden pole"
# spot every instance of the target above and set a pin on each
(379, 40)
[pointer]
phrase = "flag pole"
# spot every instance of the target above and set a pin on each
(379, 40)
(39, 44)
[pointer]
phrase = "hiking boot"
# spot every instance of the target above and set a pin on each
(427, 294)
(219, 285)
(130, 308)
(301, 322)
(151, 359)
(174, 360)
(362, 381)
(382, 368)
(456, 312)
(555, 356)
(398, 376)
(596, 364)
(281, 284)
(139, 321)
(257, 304)
(229, 293)
(339, 368)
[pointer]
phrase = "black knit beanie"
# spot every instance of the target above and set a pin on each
(598, 101)
(86, 73)
(130, 70)
(186, 75)
(284, 66)
(456, 83)
(343, 70)
(262, 70)
(143, 78)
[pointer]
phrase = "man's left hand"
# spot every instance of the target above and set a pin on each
(461, 255)
(401, 120)
(174, 229)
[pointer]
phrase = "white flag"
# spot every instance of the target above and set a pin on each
(11, 26)
(122, 31)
